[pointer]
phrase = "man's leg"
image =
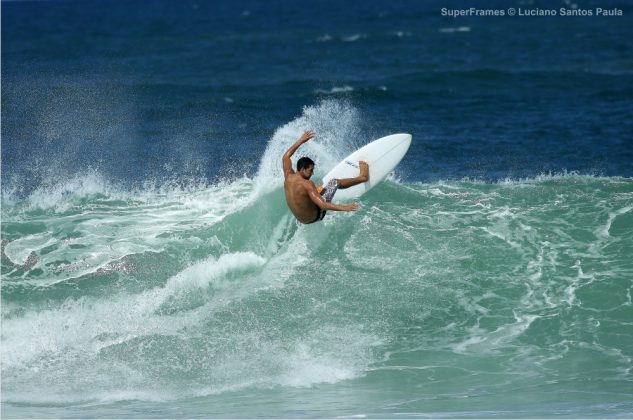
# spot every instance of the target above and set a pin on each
(362, 177)
(328, 193)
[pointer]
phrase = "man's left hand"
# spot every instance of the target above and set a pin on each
(306, 136)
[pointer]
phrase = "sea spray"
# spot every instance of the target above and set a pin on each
(336, 125)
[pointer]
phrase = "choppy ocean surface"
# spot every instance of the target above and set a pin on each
(151, 268)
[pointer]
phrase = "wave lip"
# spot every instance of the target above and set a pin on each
(203, 274)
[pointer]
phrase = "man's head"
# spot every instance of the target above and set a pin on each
(305, 167)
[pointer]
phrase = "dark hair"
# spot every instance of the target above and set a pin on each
(304, 162)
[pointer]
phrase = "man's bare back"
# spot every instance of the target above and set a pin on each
(298, 198)
(306, 202)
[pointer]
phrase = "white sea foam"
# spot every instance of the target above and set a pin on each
(402, 34)
(335, 89)
(353, 38)
(604, 232)
(146, 220)
(344, 38)
(77, 325)
(328, 355)
(501, 236)
(482, 341)
(455, 29)
(72, 342)
(64, 347)
(201, 274)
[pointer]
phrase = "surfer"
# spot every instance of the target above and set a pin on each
(307, 201)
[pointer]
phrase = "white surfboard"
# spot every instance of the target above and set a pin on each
(382, 156)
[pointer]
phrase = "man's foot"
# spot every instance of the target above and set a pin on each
(364, 171)
(363, 176)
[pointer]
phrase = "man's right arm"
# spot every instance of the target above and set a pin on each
(324, 205)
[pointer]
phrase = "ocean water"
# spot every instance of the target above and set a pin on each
(150, 266)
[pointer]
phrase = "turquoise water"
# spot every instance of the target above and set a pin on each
(151, 268)
(456, 298)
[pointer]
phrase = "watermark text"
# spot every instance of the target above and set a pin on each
(533, 12)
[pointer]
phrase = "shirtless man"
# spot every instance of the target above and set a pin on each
(307, 202)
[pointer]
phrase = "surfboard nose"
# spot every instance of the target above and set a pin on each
(401, 137)
(382, 155)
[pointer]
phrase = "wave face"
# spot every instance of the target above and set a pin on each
(459, 297)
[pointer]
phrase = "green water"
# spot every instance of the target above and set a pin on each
(453, 299)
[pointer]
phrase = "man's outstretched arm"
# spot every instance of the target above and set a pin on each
(286, 162)
(324, 205)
